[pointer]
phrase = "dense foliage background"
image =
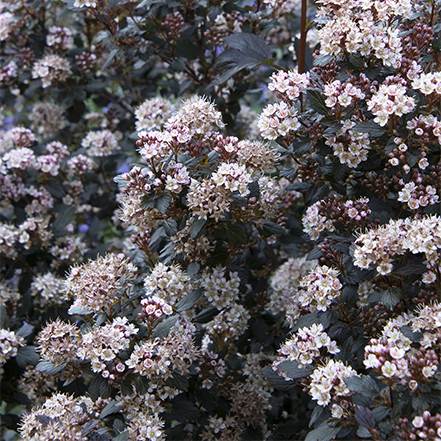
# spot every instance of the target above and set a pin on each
(220, 220)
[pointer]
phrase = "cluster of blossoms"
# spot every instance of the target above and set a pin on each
(351, 147)
(153, 311)
(198, 115)
(80, 164)
(256, 156)
(169, 283)
(10, 342)
(153, 113)
(61, 417)
(318, 290)
(60, 39)
(36, 385)
(6, 25)
(48, 288)
(219, 291)
(327, 383)
(21, 159)
(344, 95)
(212, 196)
(306, 346)
(427, 128)
(323, 215)
(157, 358)
(428, 321)
(47, 118)
(424, 427)
(229, 324)
(8, 72)
(372, 33)
(428, 83)
(378, 247)
(289, 85)
(286, 281)
(417, 197)
(51, 69)
(102, 345)
(96, 285)
(390, 99)
(278, 120)
(68, 250)
(101, 143)
(58, 342)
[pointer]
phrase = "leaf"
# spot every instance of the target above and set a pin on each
(178, 381)
(99, 388)
(77, 310)
(64, 218)
(364, 417)
(371, 127)
(239, 201)
(26, 330)
(391, 297)
(364, 385)
(188, 301)
(271, 228)
(112, 407)
(293, 371)
(244, 51)
(163, 328)
(206, 315)
(254, 190)
(380, 413)
(323, 60)
(157, 236)
(414, 336)
(192, 269)
(110, 58)
(277, 381)
(27, 355)
(163, 202)
(183, 410)
(196, 227)
(122, 436)
(3, 317)
(323, 433)
(49, 368)
(317, 102)
(171, 227)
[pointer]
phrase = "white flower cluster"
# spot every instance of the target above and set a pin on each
(411, 194)
(10, 342)
(153, 113)
(428, 321)
(102, 345)
(60, 417)
(51, 68)
(256, 156)
(59, 38)
(47, 118)
(373, 32)
(289, 85)
(219, 291)
(425, 124)
(327, 382)
(80, 164)
(48, 288)
(378, 246)
(282, 7)
(198, 115)
(343, 95)
(8, 72)
(428, 83)
(305, 346)
(95, 285)
(314, 223)
(101, 143)
(21, 158)
(8, 293)
(177, 178)
(6, 25)
(230, 324)
(278, 120)
(213, 196)
(318, 290)
(285, 282)
(390, 99)
(169, 283)
(156, 145)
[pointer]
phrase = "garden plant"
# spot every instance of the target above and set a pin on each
(220, 220)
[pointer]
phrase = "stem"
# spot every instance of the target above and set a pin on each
(302, 47)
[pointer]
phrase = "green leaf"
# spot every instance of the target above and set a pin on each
(293, 370)
(112, 407)
(27, 355)
(323, 433)
(188, 301)
(371, 127)
(364, 385)
(163, 328)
